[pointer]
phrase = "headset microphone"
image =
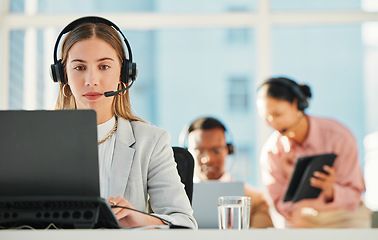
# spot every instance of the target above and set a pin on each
(112, 93)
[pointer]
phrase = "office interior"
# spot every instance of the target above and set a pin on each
(207, 58)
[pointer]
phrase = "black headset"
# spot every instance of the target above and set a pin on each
(185, 132)
(302, 99)
(128, 69)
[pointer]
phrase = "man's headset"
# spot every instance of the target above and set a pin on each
(183, 138)
(302, 99)
(128, 69)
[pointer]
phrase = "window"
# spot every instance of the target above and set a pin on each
(199, 58)
(315, 5)
(239, 92)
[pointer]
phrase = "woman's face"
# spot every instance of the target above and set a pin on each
(278, 113)
(93, 68)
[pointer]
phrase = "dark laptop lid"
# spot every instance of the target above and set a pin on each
(49, 153)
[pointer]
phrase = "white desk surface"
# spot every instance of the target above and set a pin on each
(179, 234)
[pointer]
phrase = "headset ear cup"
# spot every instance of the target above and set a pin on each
(57, 72)
(128, 71)
(134, 71)
(124, 71)
(230, 148)
(302, 104)
(53, 73)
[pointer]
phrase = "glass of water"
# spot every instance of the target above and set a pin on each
(233, 212)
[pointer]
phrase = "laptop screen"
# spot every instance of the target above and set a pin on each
(49, 153)
(205, 200)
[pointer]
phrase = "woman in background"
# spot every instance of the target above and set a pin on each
(137, 168)
(282, 102)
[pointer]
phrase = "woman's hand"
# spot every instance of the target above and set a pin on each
(130, 218)
(325, 182)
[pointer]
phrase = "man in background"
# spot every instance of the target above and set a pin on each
(207, 143)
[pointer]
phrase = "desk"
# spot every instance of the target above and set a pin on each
(178, 234)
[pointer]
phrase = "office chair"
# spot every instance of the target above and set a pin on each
(185, 167)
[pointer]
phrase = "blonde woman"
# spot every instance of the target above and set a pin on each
(137, 168)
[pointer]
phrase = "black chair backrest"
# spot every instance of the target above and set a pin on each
(185, 167)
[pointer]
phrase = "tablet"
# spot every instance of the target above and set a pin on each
(299, 186)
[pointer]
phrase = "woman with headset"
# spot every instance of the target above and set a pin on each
(137, 168)
(282, 102)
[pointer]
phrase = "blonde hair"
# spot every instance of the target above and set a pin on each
(121, 102)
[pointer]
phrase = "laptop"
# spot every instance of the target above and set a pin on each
(205, 200)
(49, 171)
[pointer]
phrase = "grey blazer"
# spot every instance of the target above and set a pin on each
(144, 169)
